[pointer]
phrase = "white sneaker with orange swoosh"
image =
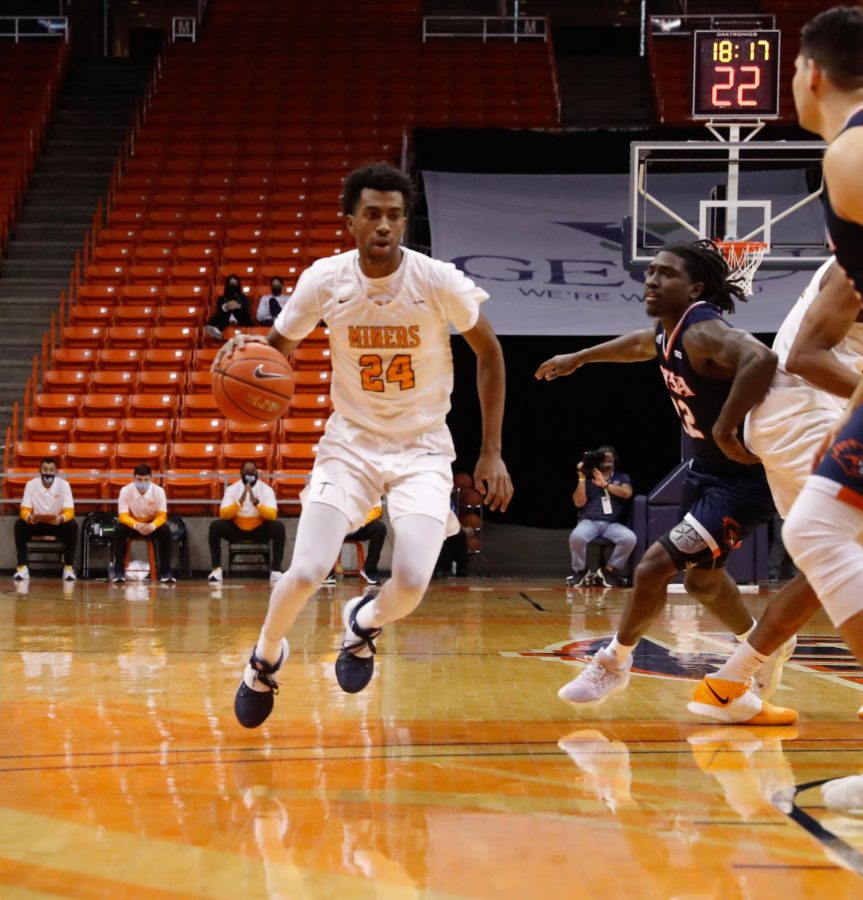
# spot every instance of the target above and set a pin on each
(734, 703)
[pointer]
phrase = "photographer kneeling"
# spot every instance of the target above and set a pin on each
(601, 496)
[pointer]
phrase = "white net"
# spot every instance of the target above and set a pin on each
(743, 258)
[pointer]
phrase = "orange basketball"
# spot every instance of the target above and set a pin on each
(255, 384)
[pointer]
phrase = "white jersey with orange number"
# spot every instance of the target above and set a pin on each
(389, 337)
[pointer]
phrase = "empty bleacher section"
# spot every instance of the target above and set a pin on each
(236, 168)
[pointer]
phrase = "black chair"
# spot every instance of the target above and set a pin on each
(97, 533)
(247, 557)
(46, 552)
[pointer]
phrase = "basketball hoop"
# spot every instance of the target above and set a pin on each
(743, 258)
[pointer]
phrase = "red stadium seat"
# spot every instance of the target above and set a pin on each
(81, 315)
(149, 275)
(167, 360)
(91, 338)
(105, 273)
(98, 294)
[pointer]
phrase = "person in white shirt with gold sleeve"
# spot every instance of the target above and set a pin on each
(248, 513)
(47, 507)
(389, 311)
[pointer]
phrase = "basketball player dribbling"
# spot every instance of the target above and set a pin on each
(388, 309)
(823, 530)
(820, 350)
(714, 374)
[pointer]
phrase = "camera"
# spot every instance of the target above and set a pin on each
(592, 459)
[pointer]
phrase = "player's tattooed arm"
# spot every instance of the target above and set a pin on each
(717, 351)
(826, 323)
(637, 346)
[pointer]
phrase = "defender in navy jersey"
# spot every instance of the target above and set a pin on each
(824, 528)
(715, 374)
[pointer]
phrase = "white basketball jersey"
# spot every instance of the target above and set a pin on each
(392, 363)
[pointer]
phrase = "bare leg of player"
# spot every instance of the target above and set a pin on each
(718, 591)
(416, 547)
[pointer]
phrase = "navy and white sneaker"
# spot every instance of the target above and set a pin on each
(119, 578)
(168, 578)
(370, 577)
(354, 672)
(251, 707)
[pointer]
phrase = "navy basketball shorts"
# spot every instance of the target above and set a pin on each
(843, 461)
(716, 513)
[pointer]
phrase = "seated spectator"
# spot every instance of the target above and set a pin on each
(143, 508)
(47, 508)
(232, 308)
(601, 496)
(374, 531)
(248, 513)
(270, 305)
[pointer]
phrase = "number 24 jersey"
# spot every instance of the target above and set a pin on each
(389, 337)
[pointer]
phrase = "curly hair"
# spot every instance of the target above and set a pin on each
(379, 176)
(704, 262)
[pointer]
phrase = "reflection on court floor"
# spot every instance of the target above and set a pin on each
(457, 773)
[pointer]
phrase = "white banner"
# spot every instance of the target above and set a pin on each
(547, 248)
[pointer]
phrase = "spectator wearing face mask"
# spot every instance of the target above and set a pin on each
(143, 508)
(232, 308)
(247, 514)
(270, 305)
(47, 508)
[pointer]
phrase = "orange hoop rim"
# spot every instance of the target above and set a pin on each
(728, 247)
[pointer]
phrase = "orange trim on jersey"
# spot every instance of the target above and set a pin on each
(666, 351)
(849, 496)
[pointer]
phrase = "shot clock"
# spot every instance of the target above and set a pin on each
(735, 75)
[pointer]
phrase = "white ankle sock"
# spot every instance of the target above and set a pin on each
(742, 637)
(270, 651)
(621, 652)
(367, 616)
(742, 664)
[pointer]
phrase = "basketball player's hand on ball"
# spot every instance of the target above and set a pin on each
(491, 479)
(731, 445)
(565, 364)
(237, 341)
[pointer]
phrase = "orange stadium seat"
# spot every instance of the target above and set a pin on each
(204, 357)
(246, 234)
(318, 337)
(183, 484)
(142, 294)
(75, 358)
(297, 455)
(212, 235)
(135, 315)
(71, 381)
(114, 381)
(175, 337)
(53, 404)
(167, 236)
(133, 453)
(127, 216)
(302, 431)
(307, 381)
(161, 382)
(122, 360)
(31, 453)
(158, 405)
(88, 489)
(234, 454)
(311, 358)
(49, 428)
(316, 406)
(195, 455)
(105, 429)
(170, 360)
(288, 485)
(201, 382)
(254, 432)
(85, 315)
(105, 273)
(89, 455)
(109, 405)
(149, 275)
(98, 294)
(149, 429)
(195, 429)
(174, 316)
(191, 274)
(200, 405)
(197, 254)
(186, 295)
(129, 337)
